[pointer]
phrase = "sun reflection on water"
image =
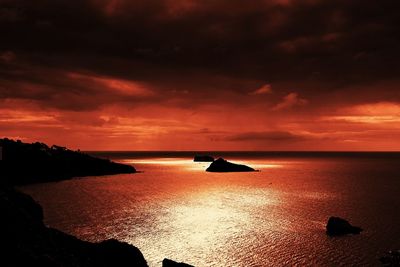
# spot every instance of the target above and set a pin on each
(275, 217)
(211, 218)
(195, 166)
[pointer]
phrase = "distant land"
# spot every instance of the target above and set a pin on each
(23, 163)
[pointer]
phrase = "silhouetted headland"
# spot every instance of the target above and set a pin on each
(26, 241)
(337, 226)
(222, 165)
(23, 163)
(203, 158)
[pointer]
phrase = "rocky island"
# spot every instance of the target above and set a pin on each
(337, 226)
(391, 258)
(222, 165)
(23, 163)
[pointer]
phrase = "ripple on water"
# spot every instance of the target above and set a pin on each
(275, 217)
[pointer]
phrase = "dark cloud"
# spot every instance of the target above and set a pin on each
(271, 136)
(67, 90)
(188, 52)
(261, 39)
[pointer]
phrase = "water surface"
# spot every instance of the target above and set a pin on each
(275, 217)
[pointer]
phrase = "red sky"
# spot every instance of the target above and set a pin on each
(201, 75)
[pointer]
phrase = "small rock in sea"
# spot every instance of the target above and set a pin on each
(171, 263)
(203, 158)
(338, 226)
(392, 258)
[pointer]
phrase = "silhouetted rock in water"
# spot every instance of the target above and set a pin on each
(171, 263)
(32, 163)
(26, 241)
(391, 259)
(221, 165)
(338, 226)
(203, 158)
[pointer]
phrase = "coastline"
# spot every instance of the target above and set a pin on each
(26, 240)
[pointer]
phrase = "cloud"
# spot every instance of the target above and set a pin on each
(199, 65)
(55, 88)
(12, 116)
(383, 113)
(379, 108)
(289, 101)
(232, 38)
(7, 56)
(265, 89)
(278, 136)
(125, 87)
(366, 119)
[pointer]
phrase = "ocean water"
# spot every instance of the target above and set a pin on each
(275, 217)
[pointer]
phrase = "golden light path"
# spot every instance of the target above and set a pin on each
(213, 215)
(188, 164)
(210, 219)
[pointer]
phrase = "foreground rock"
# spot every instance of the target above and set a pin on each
(171, 263)
(26, 241)
(203, 158)
(337, 226)
(221, 165)
(392, 258)
(24, 163)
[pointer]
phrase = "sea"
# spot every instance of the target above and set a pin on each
(172, 208)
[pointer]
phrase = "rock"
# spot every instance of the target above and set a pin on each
(221, 165)
(392, 258)
(338, 226)
(24, 163)
(171, 263)
(203, 158)
(26, 241)
(117, 253)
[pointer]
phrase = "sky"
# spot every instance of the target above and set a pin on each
(201, 74)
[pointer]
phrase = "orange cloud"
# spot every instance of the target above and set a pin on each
(265, 89)
(290, 101)
(18, 116)
(374, 113)
(380, 108)
(125, 87)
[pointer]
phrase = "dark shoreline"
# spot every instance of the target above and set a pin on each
(23, 163)
(26, 240)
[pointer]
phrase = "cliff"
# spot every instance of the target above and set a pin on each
(26, 241)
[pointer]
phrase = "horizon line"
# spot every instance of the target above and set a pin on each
(255, 151)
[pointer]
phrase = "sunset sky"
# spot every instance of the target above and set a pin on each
(201, 74)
